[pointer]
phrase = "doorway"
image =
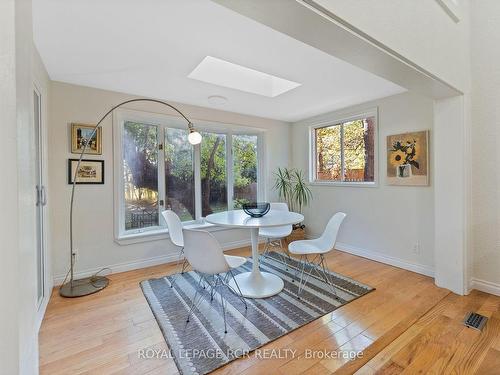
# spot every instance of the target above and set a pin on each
(41, 197)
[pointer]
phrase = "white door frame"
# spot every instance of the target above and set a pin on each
(41, 160)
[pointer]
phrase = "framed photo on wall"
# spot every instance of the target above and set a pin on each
(90, 171)
(408, 159)
(81, 134)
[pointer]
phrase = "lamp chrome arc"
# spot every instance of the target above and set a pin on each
(93, 284)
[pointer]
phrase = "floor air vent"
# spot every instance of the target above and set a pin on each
(474, 320)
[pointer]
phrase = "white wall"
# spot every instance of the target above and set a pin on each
(9, 265)
(422, 34)
(26, 287)
(18, 342)
(485, 41)
(20, 65)
(94, 236)
(421, 31)
(451, 210)
(383, 222)
(412, 43)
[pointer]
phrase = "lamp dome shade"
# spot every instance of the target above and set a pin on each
(194, 137)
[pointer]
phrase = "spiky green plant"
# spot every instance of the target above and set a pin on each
(301, 194)
(283, 185)
(291, 187)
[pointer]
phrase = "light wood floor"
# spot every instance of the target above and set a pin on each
(408, 325)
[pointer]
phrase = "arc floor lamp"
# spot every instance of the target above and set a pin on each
(95, 283)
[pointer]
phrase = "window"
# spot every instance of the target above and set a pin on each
(344, 151)
(159, 169)
(213, 173)
(179, 174)
(140, 175)
(244, 169)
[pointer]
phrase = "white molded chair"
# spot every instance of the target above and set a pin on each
(174, 226)
(316, 249)
(274, 235)
(205, 255)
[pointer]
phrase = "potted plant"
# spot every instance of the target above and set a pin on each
(292, 189)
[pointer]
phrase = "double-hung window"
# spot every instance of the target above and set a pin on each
(344, 150)
(156, 168)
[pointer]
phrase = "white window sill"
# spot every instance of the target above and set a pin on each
(162, 234)
(345, 184)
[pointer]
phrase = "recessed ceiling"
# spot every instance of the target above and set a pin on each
(149, 48)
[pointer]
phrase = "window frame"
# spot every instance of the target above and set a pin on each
(120, 116)
(338, 120)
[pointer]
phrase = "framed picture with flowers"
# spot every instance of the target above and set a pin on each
(408, 159)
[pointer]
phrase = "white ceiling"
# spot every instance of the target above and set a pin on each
(149, 47)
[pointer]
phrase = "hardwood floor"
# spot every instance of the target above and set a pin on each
(407, 325)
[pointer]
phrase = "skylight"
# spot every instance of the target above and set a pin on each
(226, 74)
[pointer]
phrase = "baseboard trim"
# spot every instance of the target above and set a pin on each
(143, 263)
(393, 261)
(121, 267)
(485, 286)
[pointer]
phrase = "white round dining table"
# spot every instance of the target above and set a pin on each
(255, 284)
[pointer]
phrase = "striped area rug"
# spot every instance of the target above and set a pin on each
(200, 346)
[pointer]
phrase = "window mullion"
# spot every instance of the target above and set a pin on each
(119, 177)
(229, 171)
(161, 171)
(197, 181)
(261, 191)
(342, 158)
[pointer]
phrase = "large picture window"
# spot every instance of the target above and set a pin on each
(213, 173)
(344, 151)
(140, 175)
(179, 174)
(159, 169)
(245, 167)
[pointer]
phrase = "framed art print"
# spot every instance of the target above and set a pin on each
(81, 134)
(89, 172)
(408, 159)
